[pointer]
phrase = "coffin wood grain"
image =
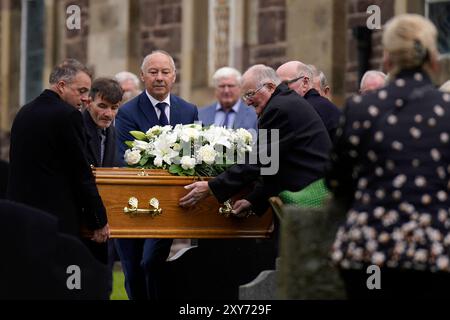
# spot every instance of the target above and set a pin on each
(117, 185)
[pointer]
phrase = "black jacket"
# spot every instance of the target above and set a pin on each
(327, 111)
(48, 166)
(303, 152)
(110, 157)
(3, 178)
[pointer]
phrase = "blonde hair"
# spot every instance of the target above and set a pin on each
(410, 41)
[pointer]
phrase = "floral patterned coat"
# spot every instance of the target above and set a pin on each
(391, 161)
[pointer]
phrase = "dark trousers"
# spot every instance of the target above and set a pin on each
(143, 265)
(397, 284)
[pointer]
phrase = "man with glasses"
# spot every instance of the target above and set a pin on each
(229, 111)
(299, 77)
(303, 146)
(48, 166)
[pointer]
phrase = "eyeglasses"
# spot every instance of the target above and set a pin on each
(288, 82)
(250, 94)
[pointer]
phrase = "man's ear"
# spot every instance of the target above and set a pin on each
(61, 86)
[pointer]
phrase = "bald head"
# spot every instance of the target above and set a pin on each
(297, 75)
(372, 80)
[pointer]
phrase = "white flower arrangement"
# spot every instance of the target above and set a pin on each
(188, 150)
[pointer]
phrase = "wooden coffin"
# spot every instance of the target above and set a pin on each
(169, 220)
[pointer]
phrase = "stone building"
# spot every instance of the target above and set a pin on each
(202, 35)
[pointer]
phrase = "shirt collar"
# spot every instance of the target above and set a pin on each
(155, 102)
(235, 106)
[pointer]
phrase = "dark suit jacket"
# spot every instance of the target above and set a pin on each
(139, 114)
(245, 118)
(110, 157)
(3, 178)
(303, 152)
(35, 266)
(327, 111)
(48, 166)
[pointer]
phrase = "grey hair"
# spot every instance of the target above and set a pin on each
(226, 72)
(314, 70)
(147, 57)
(125, 76)
(263, 74)
(305, 70)
(67, 70)
(323, 81)
(372, 73)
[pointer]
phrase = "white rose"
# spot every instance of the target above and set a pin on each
(140, 145)
(187, 162)
(132, 156)
(158, 162)
(188, 134)
(207, 154)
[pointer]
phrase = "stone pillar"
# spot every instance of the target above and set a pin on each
(32, 52)
(10, 17)
(315, 33)
(108, 38)
(75, 41)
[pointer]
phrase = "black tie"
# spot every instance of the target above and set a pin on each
(102, 145)
(162, 118)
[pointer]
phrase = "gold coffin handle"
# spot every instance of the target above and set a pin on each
(133, 204)
(226, 209)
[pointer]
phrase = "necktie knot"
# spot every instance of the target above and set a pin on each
(163, 121)
(226, 122)
(161, 106)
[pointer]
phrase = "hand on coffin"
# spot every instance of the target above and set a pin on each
(101, 235)
(242, 208)
(199, 191)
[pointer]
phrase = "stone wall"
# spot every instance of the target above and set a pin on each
(76, 41)
(357, 17)
(160, 29)
(271, 41)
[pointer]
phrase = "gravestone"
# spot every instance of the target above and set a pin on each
(263, 287)
(305, 269)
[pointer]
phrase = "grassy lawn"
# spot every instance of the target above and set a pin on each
(118, 292)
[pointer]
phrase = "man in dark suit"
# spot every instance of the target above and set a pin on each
(143, 259)
(43, 263)
(229, 110)
(303, 147)
(299, 77)
(48, 166)
(104, 99)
